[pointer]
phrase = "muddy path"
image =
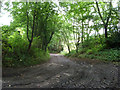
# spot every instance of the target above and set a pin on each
(61, 72)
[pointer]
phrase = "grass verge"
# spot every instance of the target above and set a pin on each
(105, 55)
(25, 60)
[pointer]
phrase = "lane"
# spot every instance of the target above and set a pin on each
(60, 71)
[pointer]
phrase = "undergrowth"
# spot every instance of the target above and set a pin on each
(15, 54)
(107, 55)
(99, 48)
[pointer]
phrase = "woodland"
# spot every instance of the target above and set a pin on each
(74, 29)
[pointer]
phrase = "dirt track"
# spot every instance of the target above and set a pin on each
(63, 72)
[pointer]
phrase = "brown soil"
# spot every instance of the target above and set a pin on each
(61, 72)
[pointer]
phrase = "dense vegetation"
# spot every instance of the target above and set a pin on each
(71, 28)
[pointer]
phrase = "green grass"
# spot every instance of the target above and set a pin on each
(26, 59)
(63, 53)
(106, 55)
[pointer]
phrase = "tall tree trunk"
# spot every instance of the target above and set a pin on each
(68, 48)
(47, 42)
(107, 20)
(33, 27)
(28, 27)
(78, 40)
(44, 45)
(30, 43)
(66, 41)
(82, 32)
(105, 31)
(88, 30)
(77, 44)
(27, 21)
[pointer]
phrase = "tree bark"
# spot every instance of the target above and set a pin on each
(33, 27)
(68, 48)
(27, 21)
(82, 32)
(105, 31)
(107, 21)
(46, 44)
(66, 41)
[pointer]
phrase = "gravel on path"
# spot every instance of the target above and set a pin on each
(61, 72)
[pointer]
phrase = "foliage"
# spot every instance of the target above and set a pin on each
(108, 54)
(114, 40)
(72, 53)
(93, 49)
(63, 53)
(75, 27)
(55, 45)
(36, 57)
(14, 51)
(36, 23)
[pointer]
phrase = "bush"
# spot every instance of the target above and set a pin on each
(63, 53)
(114, 40)
(15, 52)
(72, 53)
(81, 56)
(89, 51)
(97, 48)
(108, 54)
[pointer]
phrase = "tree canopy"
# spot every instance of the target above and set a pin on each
(39, 28)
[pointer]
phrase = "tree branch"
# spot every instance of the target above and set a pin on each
(109, 13)
(50, 37)
(99, 12)
(27, 21)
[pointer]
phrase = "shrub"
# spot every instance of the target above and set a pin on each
(114, 40)
(108, 54)
(15, 52)
(97, 48)
(89, 51)
(72, 53)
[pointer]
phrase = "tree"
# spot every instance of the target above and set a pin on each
(106, 19)
(33, 26)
